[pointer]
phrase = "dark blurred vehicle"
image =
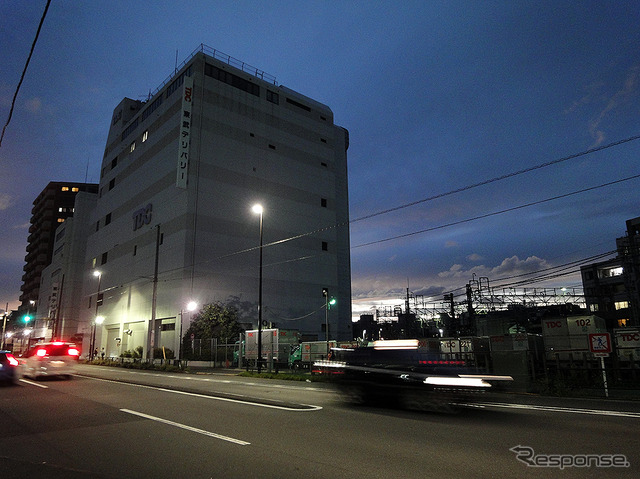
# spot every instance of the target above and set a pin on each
(401, 374)
(50, 359)
(9, 371)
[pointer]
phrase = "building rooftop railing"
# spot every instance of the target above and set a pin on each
(223, 57)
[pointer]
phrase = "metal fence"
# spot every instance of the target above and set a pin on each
(211, 350)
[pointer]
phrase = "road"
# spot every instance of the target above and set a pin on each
(118, 423)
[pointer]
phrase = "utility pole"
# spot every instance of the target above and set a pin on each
(154, 298)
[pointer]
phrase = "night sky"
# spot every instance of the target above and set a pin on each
(445, 102)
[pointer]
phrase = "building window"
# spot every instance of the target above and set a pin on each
(97, 225)
(132, 147)
(103, 260)
(60, 220)
(65, 188)
(621, 305)
(135, 249)
(273, 97)
(273, 147)
(75, 189)
(145, 136)
(324, 165)
(323, 202)
(298, 104)
(325, 246)
(323, 140)
(231, 79)
(112, 183)
(114, 162)
(107, 219)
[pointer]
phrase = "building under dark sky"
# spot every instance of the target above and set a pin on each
(52, 207)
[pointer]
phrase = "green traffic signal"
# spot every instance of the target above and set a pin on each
(26, 318)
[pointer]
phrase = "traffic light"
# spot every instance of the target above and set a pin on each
(332, 301)
(26, 318)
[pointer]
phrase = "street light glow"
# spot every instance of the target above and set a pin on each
(99, 319)
(192, 306)
(257, 209)
(97, 273)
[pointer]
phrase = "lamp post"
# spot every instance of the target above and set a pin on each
(191, 306)
(328, 302)
(257, 209)
(98, 321)
(97, 274)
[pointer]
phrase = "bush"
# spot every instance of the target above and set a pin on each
(159, 354)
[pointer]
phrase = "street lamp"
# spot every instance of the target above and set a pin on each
(191, 306)
(99, 320)
(328, 302)
(257, 209)
(97, 274)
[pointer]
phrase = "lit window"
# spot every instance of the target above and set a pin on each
(622, 323)
(65, 188)
(145, 135)
(59, 210)
(75, 189)
(132, 147)
(621, 305)
(60, 220)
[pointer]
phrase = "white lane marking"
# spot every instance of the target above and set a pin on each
(34, 384)
(595, 412)
(216, 398)
(226, 381)
(188, 428)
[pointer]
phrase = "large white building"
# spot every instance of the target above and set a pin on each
(174, 223)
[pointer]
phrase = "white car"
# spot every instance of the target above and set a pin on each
(50, 359)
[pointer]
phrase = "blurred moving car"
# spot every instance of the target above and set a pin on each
(401, 373)
(9, 372)
(50, 359)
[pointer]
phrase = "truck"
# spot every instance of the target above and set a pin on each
(276, 346)
(304, 354)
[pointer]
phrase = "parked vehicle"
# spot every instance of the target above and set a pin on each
(50, 359)
(9, 372)
(276, 346)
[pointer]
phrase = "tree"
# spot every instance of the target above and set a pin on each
(215, 320)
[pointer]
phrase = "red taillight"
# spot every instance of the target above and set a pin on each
(12, 360)
(73, 352)
(41, 353)
(58, 343)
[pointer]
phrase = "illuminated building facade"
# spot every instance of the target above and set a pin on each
(173, 221)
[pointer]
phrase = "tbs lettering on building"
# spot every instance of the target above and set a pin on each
(142, 217)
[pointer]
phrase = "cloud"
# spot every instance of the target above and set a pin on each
(34, 105)
(475, 257)
(5, 201)
(619, 98)
(509, 267)
(451, 244)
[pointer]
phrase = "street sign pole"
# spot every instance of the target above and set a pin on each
(604, 377)
(600, 346)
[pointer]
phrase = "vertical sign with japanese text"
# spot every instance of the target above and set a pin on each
(184, 136)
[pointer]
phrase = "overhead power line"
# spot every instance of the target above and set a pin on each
(24, 71)
(467, 220)
(449, 193)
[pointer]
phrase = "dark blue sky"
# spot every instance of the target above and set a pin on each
(436, 95)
